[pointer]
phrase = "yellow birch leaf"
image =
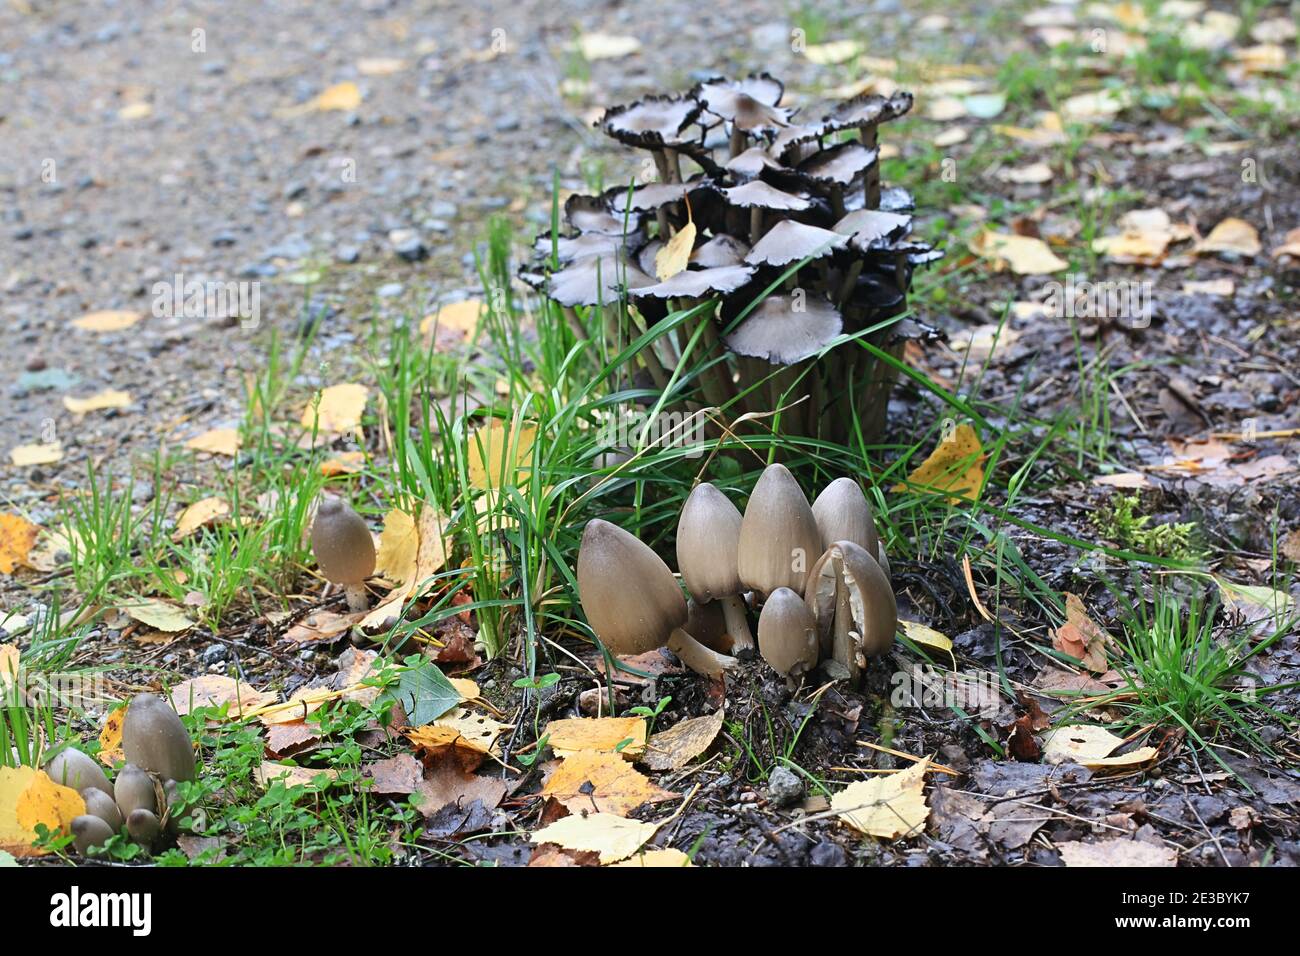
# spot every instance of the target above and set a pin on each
(461, 317)
(107, 320)
(681, 743)
(269, 772)
(1234, 236)
(110, 737)
(430, 556)
(399, 543)
(341, 96)
(613, 837)
(597, 733)
(158, 614)
(24, 456)
(887, 807)
(217, 441)
(593, 780)
(109, 398)
(1091, 747)
(339, 409)
(28, 797)
(198, 515)
(657, 858)
(676, 253)
(495, 454)
(1025, 255)
(218, 690)
(17, 536)
(955, 466)
(344, 463)
(919, 633)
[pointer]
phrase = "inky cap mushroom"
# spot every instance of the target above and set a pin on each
(89, 831)
(344, 549)
(778, 333)
(596, 280)
(144, 827)
(697, 283)
(155, 740)
(72, 768)
(789, 241)
(708, 535)
(100, 804)
(721, 250)
(853, 604)
(632, 600)
(135, 790)
(843, 514)
(787, 634)
(778, 534)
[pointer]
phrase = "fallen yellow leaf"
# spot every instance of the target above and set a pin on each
(344, 463)
(107, 320)
(28, 797)
(887, 807)
(338, 410)
(593, 780)
(109, 398)
(574, 734)
(495, 455)
(462, 729)
(657, 858)
(217, 441)
(456, 317)
(341, 96)
(919, 633)
(24, 456)
(110, 737)
(676, 253)
(399, 543)
(158, 614)
(613, 837)
(955, 466)
(1025, 255)
(1233, 236)
(17, 535)
(270, 772)
(430, 556)
(217, 691)
(203, 512)
(606, 46)
(681, 743)
(1091, 746)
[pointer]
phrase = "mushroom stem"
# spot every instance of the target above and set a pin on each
(733, 609)
(843, 647)
(755, 224)
(850, 280)
(358, 599)
(739, 142)
(698, 657)
(871, 181)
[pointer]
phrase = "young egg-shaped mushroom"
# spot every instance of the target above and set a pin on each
(344, 549)
(144, 827)
(853, 604)
(778, 534)
(708, 536)
(72, 768)
(134, 790)
(843, 514)
(633, 602)
(155, 740)
(101, 805)
(787, 635)
(89, 831)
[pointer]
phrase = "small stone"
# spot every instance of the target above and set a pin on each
(389, 290)
(828, 854)
(347, 254)
(295, 190)
(784, 788)
(408, 245)
(213, 654)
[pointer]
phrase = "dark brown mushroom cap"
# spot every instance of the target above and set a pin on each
(843, 514)
(596, 280)
(778, 534)
(708, 624)
(654, 121)
(155, 740)
(751, 163)
(789, 241)
(592, 214)
(89, 831)
(631, 599)
(134, 789)
(787, 634)
(777, 333)
(344, 549)
(868, 109)
(708, 534)
(838, 165)
(867, 228)
(721, 250)
(72, 768)
(719, 95)
(697, 283)
(872, 604)
(143, 827)
(752, 116)
(101, 805)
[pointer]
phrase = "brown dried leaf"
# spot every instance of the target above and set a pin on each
(677, 746)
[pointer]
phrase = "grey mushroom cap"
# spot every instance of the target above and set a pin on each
(779, 540)
(867, 109)
(787, 634)
(592, 214)
(585, 244)
(697, 283)
(647, 197)
(101, 805)
(759, 194)
(752, 162)
(89, 831)
(135, 790)
(652, 121)
(843, 514)
(753, 116)
(344, 549)
(721, 250)
(838, 165)
(631, 599)
(868, 228)
(874, 609)
(596, 280)
(72, 768)
(708, 535)
(777, 333)
(144, 827)
(155, 740)
(789, 241)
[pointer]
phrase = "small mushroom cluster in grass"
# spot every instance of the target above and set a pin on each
(141, 798)
(749, 189)
(817, 572)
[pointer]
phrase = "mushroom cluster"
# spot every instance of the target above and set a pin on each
(158, 754)
(758, 190)
(816, 573)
